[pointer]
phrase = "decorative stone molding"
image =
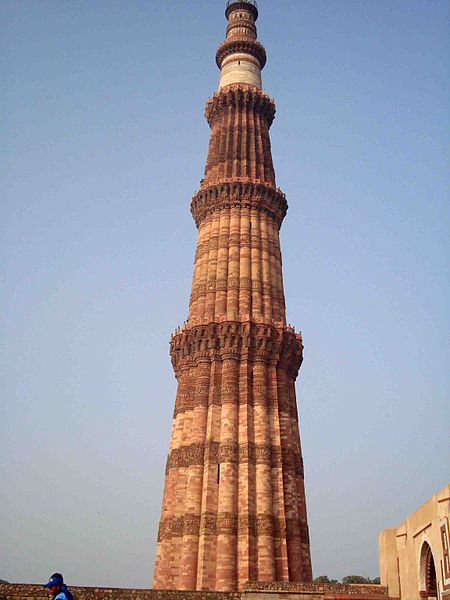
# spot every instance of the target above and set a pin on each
(247, 524)
(231, 524)
(224, 285)
(235, 28)
(243, 45)
(208, 524)
(248, 453)
(228, 453)
(246, 341)
(241, 318)
(264, 525)
(186, 456)
(212, 453)
(191, 525)
(188, 402)
(226, 524)
(170, 527)
(263, 454)
(245, 194)
(241, 96)
(239, 240)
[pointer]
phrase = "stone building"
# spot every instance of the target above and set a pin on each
(414, 557)
(233, 508)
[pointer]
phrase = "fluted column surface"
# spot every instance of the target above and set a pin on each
(234, 505)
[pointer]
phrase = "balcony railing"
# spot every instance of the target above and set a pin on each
(252, 2)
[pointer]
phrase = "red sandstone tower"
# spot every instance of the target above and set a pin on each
(234, 502)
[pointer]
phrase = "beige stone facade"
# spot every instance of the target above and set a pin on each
(414, 557)
(234, 506)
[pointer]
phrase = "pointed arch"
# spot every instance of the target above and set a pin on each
(427, 574)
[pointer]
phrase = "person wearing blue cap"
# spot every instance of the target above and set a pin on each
(57, 587)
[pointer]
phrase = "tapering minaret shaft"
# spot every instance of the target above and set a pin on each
(234, 503)
(240, 143)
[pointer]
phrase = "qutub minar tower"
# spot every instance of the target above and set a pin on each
(234, 502)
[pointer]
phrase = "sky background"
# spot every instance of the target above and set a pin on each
(104, 142)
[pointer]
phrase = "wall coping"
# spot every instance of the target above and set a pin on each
(327, 591)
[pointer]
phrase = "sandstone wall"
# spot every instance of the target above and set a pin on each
(14, 591)
(255, 591)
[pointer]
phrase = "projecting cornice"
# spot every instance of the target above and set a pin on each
(240, 96)
(280, 347)
(241, 46)
(246, 194)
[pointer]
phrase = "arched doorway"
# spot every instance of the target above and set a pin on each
(428, 582)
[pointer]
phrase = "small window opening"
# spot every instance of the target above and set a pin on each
(218, 473)
(239, 62)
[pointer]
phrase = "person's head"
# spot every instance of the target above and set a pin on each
(54, 584)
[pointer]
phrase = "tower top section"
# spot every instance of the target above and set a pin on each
(236, 4)
(240, 57)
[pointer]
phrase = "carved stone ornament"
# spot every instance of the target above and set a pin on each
(240, 96)
(212, 524)
(245, 194)
(247, 453)
(248, 340)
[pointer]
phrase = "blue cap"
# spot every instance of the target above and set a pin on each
(54, 581)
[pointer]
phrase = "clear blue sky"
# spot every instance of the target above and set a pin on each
(104, 142)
